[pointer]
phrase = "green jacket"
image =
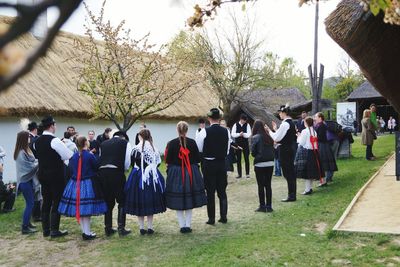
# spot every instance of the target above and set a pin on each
(373, 120)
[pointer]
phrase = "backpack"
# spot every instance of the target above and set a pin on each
(333, 127)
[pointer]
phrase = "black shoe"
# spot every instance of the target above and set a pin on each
(261, 209)
(305, 193)
(124, 232)
(30, 225)
(289, 199)
(183, 230)
(248, 176)
(223, 220)
(88, 237)
(143, 231)
(210, 222)
(46, 233)
(150, 231)
(110, 231)
(26, 230)
(238, 177)
(269, 209)
(58, 233)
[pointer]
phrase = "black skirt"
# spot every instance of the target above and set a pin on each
(307, 164)
(328, 161)
(180, 193)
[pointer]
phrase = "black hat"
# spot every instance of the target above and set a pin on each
(284, 108)
(243, 116)
(47, 121)
(32, 126)
(214, 114)
(121, 134)
(201, 120)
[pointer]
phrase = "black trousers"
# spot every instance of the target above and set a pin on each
(286, 158)
(264, 176)
(246, 152)
(368, 152)
(8, 200)
(52, 191)
(215, 179)
(112, 183)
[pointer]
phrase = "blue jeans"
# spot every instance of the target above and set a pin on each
(277, 168)
(27, 191)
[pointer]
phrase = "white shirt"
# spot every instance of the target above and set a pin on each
(281, 132)
(127, 162)
(200, 136)
(247, 134)
(304, 138)
(391, 123)
(59, 147)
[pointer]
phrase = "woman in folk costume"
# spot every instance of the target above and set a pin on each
(145, 187)
(327, 157)
(81, 197)
(185, 187)
(307, 162)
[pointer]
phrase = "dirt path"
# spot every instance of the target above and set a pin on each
(376, 208)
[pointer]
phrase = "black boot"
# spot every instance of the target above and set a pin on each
(223, 210)
(108, 224)
(26, 230)
(46, 224)
(36, 211)
(55, 225)
(121, 223)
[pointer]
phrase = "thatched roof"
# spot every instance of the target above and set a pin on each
(364, 91)
(51, 87)
(372, 44)
(264, 103)
(325, 104)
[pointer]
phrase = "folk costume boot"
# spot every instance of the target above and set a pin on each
(121, 223)
(108, 224)
(46, 224)
(55, 225)
(223, 209)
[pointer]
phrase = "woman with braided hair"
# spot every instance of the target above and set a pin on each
(185, 187)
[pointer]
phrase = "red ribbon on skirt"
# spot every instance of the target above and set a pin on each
(78, 190)
(184, 157)
(314, 144)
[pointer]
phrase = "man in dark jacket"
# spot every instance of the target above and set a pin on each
(115, 159)
(7, 196)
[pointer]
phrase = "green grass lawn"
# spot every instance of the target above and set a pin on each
(295, 234)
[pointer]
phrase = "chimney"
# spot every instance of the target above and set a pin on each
(39, 29)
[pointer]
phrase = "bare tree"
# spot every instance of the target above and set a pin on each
(126, 79)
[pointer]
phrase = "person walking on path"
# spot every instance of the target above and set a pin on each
(26, 167)
(185, 187)
(214, 143)
(241, 131)
(51, 153)
(285, 136)
(262, 149)
(115, 159)
(82, 198)
(367, 136)
(307, 162)
(391, 124)
(145, 188)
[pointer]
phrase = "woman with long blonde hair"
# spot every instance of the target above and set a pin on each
(367, 134)
(185, 187)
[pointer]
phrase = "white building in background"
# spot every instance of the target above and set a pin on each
(51, 88)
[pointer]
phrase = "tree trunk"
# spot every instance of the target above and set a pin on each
(226, 109)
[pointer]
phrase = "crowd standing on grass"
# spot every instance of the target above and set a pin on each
(81, 176)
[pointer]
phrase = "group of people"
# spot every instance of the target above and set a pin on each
(94, 180)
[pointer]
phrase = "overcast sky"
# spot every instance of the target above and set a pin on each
(288, 30)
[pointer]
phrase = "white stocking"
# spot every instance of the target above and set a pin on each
(181, 220)
(81, 223)
(308, 185)
(150, 222)
(141, 222)
(188, 215)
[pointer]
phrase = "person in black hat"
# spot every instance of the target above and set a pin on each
(285, 136)
(51, 153)
(241, 131)
(214, 143)
(115, 159)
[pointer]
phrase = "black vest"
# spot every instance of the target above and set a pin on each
(216, 142)
(51, 167)
(113, 152)
(290, 137)
(241, 141)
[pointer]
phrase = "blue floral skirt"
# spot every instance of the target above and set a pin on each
(90, 204)
(146, 200)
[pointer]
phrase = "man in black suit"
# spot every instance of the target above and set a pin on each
(213, 142)
(115, 159)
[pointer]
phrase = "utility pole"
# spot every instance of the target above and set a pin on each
(316, 82)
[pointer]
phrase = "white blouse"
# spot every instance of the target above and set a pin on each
(304, 138)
